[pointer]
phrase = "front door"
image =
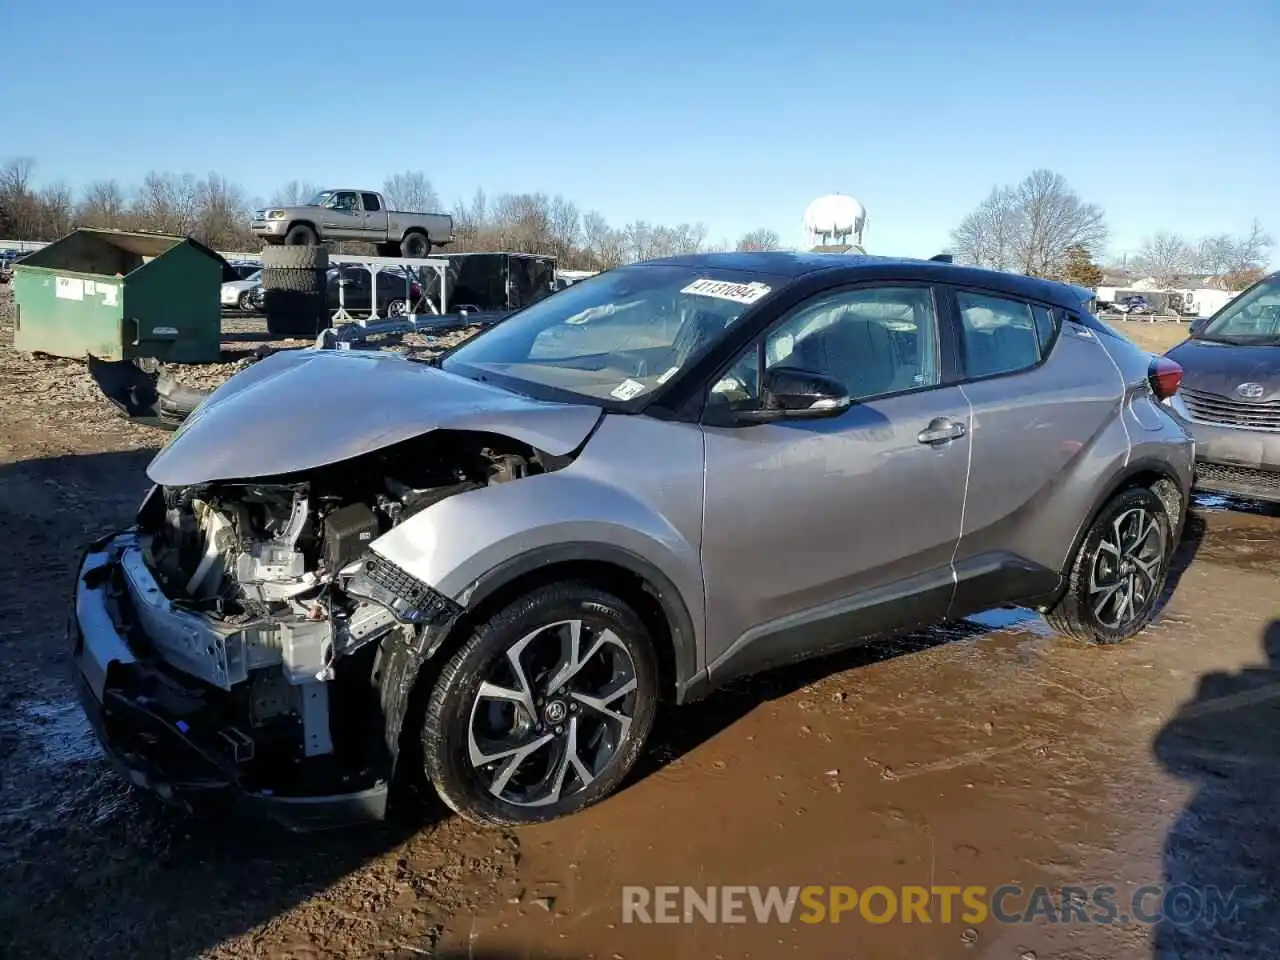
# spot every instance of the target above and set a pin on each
(819, 533)
(342, 218)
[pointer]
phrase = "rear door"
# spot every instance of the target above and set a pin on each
(1042, 391)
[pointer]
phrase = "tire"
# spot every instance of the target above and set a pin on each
(397, 308)
(297, 281)
(295, 301)
(245, 302)
(416, 246)
(301, 236)
(295, 258)
(1079, 615)
(528, 626)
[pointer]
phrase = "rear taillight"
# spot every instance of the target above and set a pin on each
(1164, 375)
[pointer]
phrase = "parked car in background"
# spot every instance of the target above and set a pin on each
(7, 259)
(1134, 306)
(238, 294)
(354, 215)
(1230, 394)
(492, 567)
(397, 294)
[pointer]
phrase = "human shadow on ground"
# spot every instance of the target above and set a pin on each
(1222, 855)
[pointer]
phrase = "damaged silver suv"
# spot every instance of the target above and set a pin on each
(488, 569)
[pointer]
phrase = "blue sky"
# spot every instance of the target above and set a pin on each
(734, 114)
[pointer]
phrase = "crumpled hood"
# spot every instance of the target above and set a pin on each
(1221, 367)
(301, 409)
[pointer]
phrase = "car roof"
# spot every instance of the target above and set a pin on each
(853, 267)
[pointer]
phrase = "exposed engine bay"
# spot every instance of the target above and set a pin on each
(266, 589)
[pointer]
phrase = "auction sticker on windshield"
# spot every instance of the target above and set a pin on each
(728, 290)
(627, 390)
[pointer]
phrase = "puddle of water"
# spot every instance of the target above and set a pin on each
(1214, 501)
(57, 733)
(1017, 618)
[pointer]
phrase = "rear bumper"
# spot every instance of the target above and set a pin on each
(171, 734)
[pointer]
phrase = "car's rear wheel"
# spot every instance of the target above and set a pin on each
(544, 710)
(1119, 572)
(415, 246)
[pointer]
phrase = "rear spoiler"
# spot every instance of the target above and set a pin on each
(942, 258)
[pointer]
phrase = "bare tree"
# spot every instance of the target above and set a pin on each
(223, 219)
(565, 227)
(1167, 258)
(410, 191)
(987, 237)
(1225, 253)
(55, 208)
(103, 205)
(1030, 227)
(293, 193)
(606, 247)
(19, 213)
(760, 239)
(168, 203)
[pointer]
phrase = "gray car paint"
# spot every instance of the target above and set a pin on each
(757, 527)
(770, 525)
(300, 409)
(637, 485)
(1043, 442)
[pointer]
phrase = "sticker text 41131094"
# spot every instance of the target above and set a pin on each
(728, 290)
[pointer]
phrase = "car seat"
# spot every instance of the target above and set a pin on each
(858, 352)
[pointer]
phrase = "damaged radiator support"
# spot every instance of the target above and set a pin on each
(226, 654)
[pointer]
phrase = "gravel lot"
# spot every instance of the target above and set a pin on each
(986, 753)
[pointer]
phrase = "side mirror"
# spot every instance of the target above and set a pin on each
(793, 393)
(1197, 326)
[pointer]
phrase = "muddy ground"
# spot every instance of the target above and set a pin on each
(987, 753)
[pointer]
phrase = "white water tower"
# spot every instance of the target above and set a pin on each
(834, 220)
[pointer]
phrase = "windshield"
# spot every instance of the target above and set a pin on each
(616, 336)
(1252, 317)
(321, 199)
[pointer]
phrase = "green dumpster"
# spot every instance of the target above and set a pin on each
(120, 295)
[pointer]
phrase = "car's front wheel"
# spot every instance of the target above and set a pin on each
(1119, 572)
(544, 710)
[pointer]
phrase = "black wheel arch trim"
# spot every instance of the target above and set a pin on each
(684, 637)
(1132, 470)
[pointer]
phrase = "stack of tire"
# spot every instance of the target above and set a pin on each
(295, 290)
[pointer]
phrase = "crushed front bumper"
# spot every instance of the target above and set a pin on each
(170, 733)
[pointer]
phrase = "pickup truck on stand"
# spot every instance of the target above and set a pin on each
(354, 215)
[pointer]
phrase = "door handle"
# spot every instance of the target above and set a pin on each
(941, 430)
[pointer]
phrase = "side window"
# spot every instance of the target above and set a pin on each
(1000, 335)
(873, 340)
(371, 204)
(1046, 328)
(345, 201)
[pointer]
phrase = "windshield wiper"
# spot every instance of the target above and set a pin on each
(1269, 340)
